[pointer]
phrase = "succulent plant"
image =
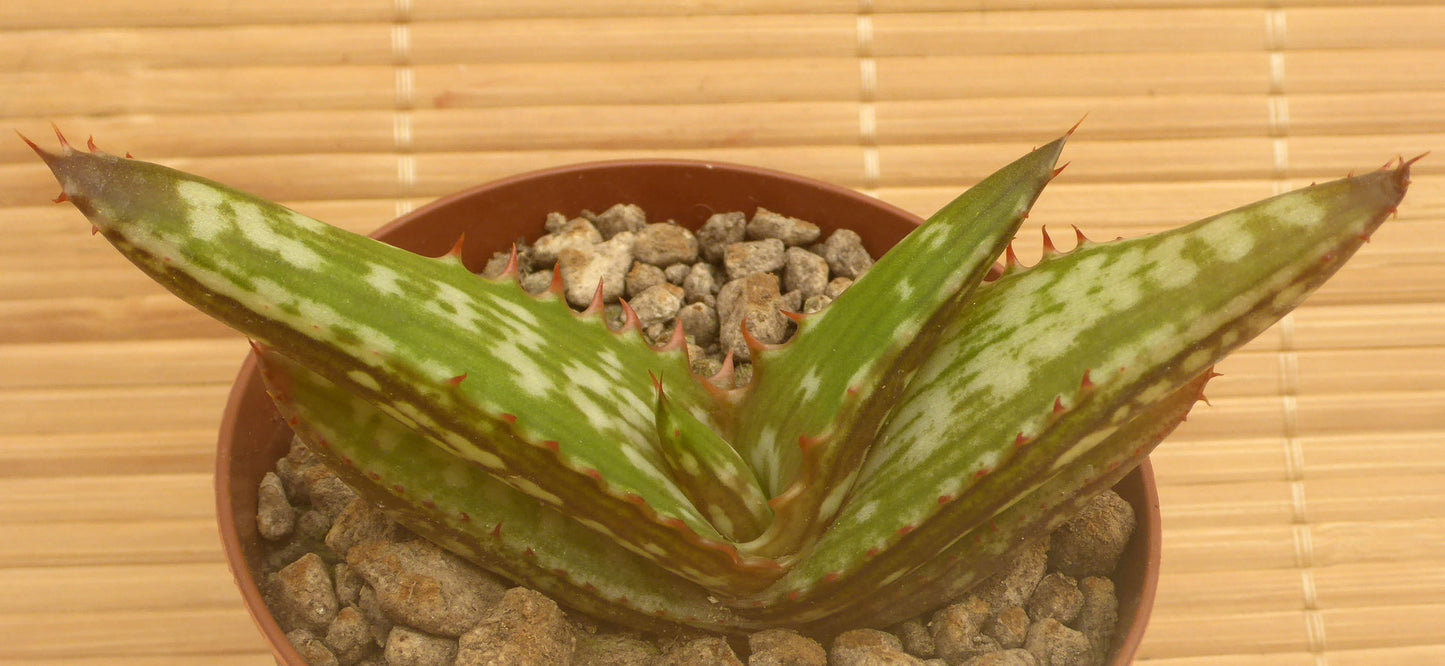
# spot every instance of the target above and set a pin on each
(887, 457)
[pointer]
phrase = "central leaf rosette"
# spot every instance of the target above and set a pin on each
(887, 457)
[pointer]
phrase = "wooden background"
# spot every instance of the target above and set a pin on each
(1304, 511)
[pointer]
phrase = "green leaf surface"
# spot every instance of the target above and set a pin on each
(817, 402)
(456, 503)
(557, 406)
(1049, 362)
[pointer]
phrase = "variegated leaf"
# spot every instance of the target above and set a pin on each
(557, 406)
(816, 402)
(456, 503)
(1049, 362)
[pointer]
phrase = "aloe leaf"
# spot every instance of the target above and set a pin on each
(558, 407)
(817, 402)
(888, 596)
(1049, 362)
(458, 504)
(711, 472)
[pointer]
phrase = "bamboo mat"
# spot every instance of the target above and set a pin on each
(1304, 511)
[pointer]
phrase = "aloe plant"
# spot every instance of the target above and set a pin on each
(887, 457)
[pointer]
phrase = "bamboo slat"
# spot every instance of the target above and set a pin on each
(109, 409)
(156, 450)
(70, 589)
(130, 632)
(110, 497)
(260, 656)
(172, 362)
(83, 543)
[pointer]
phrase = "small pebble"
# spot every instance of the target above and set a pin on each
(349, 636)
(916, 638)
(676, 273)
(706, 651)
(749, 257)
(577, 234)
(1014, 657)
(311, 648)
(846, 255)
(805, 272)
(790, 230)
(1056, 596)
(620, 218)
(718, 232)
(869, 647)
(583, 268)
(370, 608)
(292, 469)
(408, 647)
(302, 595)
(1099, 617)
(312, 527)
(657, 304)
(278, 555)
(700, 322)
(496, 265)
(791, 302)
(425, 587)
(613, 650)
(1053, 644)
(957, 630)
(536, 283)
(275, 518)
(742, 375)
(348, 585)
(815, 304)
(1090, 543)
(524, 627)
(703, 281)
(1009, 627)
(642, 276)
(665, 244)
(836, 287)
(1016, 582)
(360, 522)
(327, 493)
(754, 299)
(554, 222)
(704, 366)
(784, 647)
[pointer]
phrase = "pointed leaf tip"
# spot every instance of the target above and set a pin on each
(1076, 125)
(38, 150)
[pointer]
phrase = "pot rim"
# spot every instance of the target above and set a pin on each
(247, 386)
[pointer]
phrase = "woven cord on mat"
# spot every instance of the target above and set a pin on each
(1304, 510)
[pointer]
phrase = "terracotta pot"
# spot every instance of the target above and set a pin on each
(253, 437)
